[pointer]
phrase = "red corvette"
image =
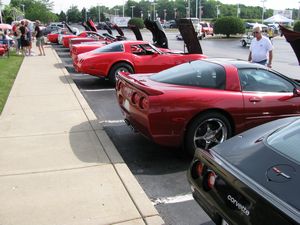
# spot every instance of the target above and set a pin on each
(201, 103)
(77, 49)
(129, 56)
(83, 34)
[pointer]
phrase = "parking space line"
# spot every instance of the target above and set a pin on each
(171, 200)
(98, 90)
(111, 121)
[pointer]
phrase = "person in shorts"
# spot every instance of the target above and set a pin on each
(24, 42)
(39, 38)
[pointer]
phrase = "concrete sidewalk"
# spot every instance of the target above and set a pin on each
(57, 164)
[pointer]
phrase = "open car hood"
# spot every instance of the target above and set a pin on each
(189, 36)
(119, 30)
(159, 37)
(293, 38)
(85, 26)
(90, 23)
(136, 32)
(69, 28)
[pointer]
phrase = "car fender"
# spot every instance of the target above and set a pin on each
(120, 61)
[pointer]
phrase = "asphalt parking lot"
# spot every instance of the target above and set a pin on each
(162, 171)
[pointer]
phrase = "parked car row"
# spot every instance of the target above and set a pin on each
(191, 102)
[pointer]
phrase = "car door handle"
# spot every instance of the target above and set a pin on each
(255, 99)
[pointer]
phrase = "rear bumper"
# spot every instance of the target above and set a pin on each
(143, 124)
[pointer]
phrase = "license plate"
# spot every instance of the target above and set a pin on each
(224, 222)
(126, 105)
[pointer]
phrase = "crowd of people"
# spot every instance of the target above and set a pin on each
(23, 36)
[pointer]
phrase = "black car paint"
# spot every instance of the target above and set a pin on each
(242, 184)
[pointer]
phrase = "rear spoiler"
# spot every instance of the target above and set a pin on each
(124, 76)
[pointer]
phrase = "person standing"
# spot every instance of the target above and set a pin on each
(28, 37)
(23, 38)
(261, 48)
(39, 38)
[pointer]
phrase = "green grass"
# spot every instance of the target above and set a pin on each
(9, 67)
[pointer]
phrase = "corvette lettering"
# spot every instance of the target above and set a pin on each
(238, 205)
(279, 172)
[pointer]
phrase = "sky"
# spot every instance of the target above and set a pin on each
(269, 4)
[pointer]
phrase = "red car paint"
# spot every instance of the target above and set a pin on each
(83, 34)
(100, 64)
(164, 111)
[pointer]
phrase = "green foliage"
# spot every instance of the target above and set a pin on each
(297, 26)
(74, 15)
(137, 22)
(228, 26)
(33, 10)
(9, 69)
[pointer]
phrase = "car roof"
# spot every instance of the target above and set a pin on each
(238, 63)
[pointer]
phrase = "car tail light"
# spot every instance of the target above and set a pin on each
(135, 98)
(197, 169)
(144, 103)
(209, 180)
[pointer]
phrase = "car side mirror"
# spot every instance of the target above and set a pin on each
(296, 92)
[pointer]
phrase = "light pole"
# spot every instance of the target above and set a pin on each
(98, 13)
(189, 8)
(263, 10)
(149, 14)
(1, 11)
(142, 15)
(238, 10)
(299, 11)
(116, 11)
(132, 7)
(187, 12)
(165, 15)
(123, 8)
(200, 10)
(196, 9)
(218, 11)
(154, 16)
(175, 13)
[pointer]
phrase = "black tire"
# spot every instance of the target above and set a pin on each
(207, 130)
(121, 66)
(244, 44)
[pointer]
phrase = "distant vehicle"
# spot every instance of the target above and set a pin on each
(197, 26)
(52, 27)
(170, 24)
(248, 36)
(246, 39)
(207, 29)
(252, 178)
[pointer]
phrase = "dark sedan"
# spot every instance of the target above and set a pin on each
(252, 178)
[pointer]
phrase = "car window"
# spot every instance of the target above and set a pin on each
(113, 47)
(260, 80)
(143, 49)
(287, 141)
(196, 73)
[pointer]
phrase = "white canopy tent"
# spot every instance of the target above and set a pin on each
(278, 19)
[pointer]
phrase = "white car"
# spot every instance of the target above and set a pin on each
(246, 39)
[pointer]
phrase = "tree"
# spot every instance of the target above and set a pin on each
(228, 26)
(62, 16)
(73, 14)
(297, 26)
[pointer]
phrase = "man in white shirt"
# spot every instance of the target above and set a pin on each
(260, 49)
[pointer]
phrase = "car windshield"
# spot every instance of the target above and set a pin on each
(113, 47)
(287, 141)
(198, 73)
